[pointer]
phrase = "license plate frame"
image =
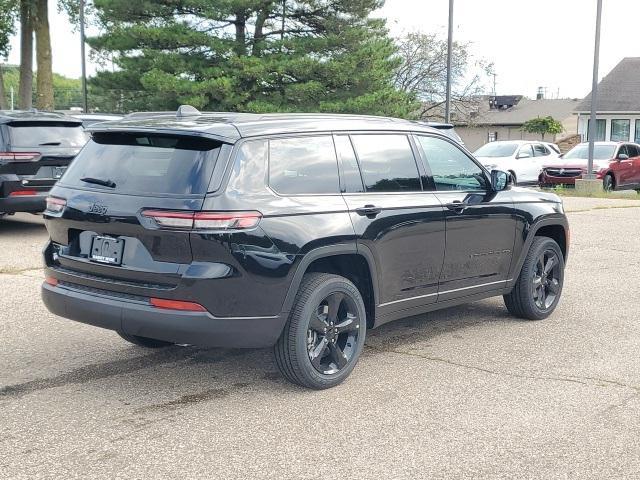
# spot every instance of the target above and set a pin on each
(58, 172)
(107, 250)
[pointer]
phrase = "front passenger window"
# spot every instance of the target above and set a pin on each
(451, 168)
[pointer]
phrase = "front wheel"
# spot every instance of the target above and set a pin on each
(608, 183)
(539, 286)
(324, 336)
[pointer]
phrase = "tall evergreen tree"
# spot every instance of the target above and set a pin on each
(249, 55)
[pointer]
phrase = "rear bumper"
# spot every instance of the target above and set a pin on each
(24, 203)
(134, 316)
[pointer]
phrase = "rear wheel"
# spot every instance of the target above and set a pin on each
(539, 286)
(608, 183)
(324, 336)
(144, 341)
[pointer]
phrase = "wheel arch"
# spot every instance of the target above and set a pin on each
(347, 260)
(555, 227)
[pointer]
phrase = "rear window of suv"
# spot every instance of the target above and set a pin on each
(145, 163)
(49, 134)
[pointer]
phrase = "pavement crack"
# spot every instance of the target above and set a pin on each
(568, 379)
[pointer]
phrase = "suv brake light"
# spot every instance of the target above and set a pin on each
(204, 220)
(55, 204)
(19, 156)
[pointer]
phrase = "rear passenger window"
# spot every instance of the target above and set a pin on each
(304, 165)
(632, 151)
(540, 150)
(387, 163)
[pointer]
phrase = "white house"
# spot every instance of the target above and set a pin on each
(617, 105)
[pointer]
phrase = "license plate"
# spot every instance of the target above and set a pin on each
(58, 171)
(107, 250)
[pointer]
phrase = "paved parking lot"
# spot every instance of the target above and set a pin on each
(466, 392)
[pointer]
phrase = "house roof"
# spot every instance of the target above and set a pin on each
(525, 110)
(619, 91)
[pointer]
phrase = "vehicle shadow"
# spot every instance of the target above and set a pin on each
(219, 371)
(21, 223)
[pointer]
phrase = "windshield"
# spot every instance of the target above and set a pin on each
(496, 150)
(581, 152)
(49, 134)
(139, 163)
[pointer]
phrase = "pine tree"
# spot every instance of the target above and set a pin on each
(248, 55)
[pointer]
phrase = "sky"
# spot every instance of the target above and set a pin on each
(532, 43)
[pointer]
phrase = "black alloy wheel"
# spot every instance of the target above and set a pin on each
(324, 334)
(537, 290)
(333, 333)
(546, 280)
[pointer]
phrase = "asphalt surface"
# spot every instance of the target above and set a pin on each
(464, 392)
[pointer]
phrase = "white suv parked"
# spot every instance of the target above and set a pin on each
(524, 159)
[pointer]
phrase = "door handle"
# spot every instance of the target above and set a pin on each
(457, 206)
(369, 211)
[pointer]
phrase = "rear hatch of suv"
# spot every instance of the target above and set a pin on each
(119, 218)
(36, 153)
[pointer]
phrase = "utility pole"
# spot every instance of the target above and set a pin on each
(447, 111)
(83, 64)
(594, 94)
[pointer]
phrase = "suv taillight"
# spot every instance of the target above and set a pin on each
(55, 204)
(204, 220)
(19, 156)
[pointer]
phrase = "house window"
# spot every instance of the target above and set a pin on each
(492, 136)
(637, 135)
(620, 130)
(601, 128)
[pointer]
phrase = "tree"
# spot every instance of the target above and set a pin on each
(248, 55)
(423, 73)
(44, 80)
(542, 126)
(25, 93)
(7, 29)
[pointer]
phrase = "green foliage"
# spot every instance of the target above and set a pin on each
(542, 126)
(8, 11)
(234, 55)
(67, 92)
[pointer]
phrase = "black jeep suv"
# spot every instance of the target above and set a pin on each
(297, 231)
(35, 149)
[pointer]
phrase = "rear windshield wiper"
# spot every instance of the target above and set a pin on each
(99, 181)
(49, 144)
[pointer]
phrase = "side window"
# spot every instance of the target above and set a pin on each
(525, 151)
(387, 163)
(633, 151)
(540, 150)
(303, 165)
(348, 164)
(623, 150)
(451, 168)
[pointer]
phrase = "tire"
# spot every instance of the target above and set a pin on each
(144, 341)
(526, 299)
(309, 352)
(608, 183)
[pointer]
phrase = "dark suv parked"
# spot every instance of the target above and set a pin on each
(35, 149)
(299, 231)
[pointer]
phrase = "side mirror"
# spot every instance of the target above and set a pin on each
(499, 180)
(623, 156)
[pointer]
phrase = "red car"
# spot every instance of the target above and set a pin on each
(617, 164)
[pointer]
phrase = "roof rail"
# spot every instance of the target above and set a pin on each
(187, 111)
